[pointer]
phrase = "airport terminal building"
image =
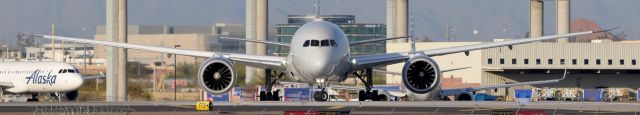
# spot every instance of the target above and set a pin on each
(601, 64)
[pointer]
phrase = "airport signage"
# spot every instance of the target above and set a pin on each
(296, 94)
(203, 105)
(523, 96)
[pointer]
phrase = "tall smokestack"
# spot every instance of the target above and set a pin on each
(402, 7)
(535, 19)
(262, 18)
(250, 32)
(563, 17)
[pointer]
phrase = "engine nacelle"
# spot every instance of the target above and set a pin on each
(421, 74)
(465, 97)
(217, 75)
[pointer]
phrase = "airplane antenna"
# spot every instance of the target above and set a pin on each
(413, 39)
(317, 10)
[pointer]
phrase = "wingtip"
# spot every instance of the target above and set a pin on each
(607, 30)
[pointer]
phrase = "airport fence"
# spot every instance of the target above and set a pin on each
(83, 110)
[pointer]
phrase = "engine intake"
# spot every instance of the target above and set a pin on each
(216, 75)
(420, 75)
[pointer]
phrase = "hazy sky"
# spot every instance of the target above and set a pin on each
(492, 18)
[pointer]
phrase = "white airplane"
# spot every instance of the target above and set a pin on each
(320, 53)
(40, 77)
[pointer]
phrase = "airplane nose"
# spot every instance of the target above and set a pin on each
(322, 66)
(76, 82)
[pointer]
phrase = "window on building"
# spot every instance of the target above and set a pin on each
(621, 61)
(633, 62)
(574, 61)
(610, 62)
(550, 61)
(306, 44)
(562, 62)
(501, 61)
(538, 61)
(489, 61)
(526, 61)
(315, 43)
(586, 61)
(598, 62)
(514, 61)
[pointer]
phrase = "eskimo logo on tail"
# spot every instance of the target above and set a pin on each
(37, 77)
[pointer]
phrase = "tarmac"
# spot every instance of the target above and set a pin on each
(428, 107)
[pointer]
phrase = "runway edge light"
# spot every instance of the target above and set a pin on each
(203, 105)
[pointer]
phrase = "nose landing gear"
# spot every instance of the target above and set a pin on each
(321, 95)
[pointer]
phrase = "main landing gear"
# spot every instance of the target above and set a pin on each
(34, 98)
(268, 94)
(368, 94)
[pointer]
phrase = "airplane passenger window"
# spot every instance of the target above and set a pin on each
(315, 43)
(324, 43)
(333, 43)
(306, 44)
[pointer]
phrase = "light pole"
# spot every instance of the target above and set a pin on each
(6, 53)
(175, 74)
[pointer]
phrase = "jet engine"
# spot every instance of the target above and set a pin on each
(465, 97)
(71, 95)
(216, 75)
(420, 74)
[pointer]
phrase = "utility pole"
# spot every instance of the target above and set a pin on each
(175, 75)
(53, 42)
(449, 33)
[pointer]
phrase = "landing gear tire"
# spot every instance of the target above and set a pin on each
(263, 96)
(34, 98)
(371, 95)
(269, 96)
(362, 96)
(321, 96)
(276, 96)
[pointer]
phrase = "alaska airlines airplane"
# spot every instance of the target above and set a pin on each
(319, 53)
(39, 77)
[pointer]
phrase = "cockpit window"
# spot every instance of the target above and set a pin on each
(306, 44)
(333, 43)
(69, 71)
(324, 43)
(315, 43)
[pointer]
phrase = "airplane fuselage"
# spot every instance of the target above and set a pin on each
(319, 52)
(39, 77)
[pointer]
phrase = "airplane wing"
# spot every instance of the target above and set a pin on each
(457, 91)
(369, 61)
(399, 73)
(258, 41)
(373, 40)
(101, 75)
(272, 62)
